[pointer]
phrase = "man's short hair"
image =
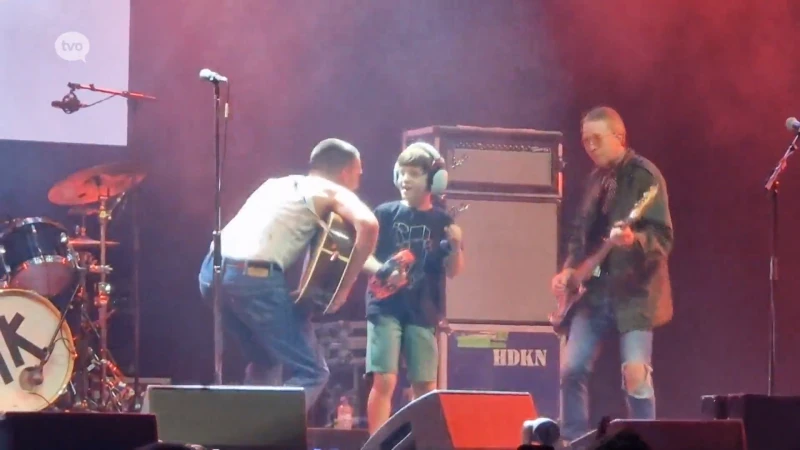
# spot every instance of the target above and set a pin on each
(332, 155)
(415, 155)
(610, 116)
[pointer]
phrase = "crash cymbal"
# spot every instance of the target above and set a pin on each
(86, 186)
(83, 241)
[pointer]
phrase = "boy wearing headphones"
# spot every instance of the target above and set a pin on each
(405, 322)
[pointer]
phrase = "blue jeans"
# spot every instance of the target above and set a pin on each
(258, 311)
(589, 326)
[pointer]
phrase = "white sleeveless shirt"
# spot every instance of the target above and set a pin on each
(276, 222)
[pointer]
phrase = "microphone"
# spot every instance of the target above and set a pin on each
(69, 104)
(214, 77)
(542, 431)
(792, 124)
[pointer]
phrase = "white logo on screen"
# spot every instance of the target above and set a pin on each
(72, 46)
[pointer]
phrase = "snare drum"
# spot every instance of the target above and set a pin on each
(29, 322)
(35, 254)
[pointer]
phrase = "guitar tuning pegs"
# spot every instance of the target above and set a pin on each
(458, 161)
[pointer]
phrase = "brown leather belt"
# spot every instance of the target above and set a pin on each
(251, 263)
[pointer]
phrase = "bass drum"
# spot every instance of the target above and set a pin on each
(28, 322)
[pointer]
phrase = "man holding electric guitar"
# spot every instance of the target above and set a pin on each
(616, 275)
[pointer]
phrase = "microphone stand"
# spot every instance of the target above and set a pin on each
(772, 187)
(217, 281)
(126, 94)
(136, 245)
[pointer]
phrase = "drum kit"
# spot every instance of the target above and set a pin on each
(45, 361)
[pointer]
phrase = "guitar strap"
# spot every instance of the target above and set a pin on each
(608, 190)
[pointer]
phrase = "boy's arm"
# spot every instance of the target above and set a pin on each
(454, 263)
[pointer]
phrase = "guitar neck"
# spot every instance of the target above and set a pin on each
(584, 271)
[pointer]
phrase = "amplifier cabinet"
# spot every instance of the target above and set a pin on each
(511, 250)
(502, 160)
(510, 358)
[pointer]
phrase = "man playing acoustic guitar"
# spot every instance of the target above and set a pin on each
(630, 290)
(405, 321)
(267, 235)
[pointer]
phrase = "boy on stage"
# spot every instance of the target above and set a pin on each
(404, 323)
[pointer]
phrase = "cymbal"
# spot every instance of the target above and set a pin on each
(82, 241)
(87, 185)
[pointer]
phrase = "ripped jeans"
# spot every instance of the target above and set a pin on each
(589, 326)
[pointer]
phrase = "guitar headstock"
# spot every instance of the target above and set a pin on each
(647, 199)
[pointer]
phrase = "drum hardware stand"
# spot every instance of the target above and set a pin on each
(102, 294)
(114, 391)
(105, 185)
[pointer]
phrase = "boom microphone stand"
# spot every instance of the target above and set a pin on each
(771, 186)
(69, 105)
(216, 78)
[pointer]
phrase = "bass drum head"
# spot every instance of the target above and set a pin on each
(28, 322)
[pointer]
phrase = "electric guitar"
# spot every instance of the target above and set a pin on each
(574, 290)
(326, 261)
(379, 286)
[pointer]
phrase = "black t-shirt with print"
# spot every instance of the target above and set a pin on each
(403, 227)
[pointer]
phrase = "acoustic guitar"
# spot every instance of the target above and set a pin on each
(326, 261)
(575, 286)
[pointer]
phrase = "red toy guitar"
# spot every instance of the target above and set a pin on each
(379, 286)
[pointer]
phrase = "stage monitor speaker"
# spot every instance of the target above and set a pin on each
(76, 431)
(768, 420)
(678, 434)
(225, 417)
(451, 420)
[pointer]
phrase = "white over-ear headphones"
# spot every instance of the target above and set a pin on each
(437, 175)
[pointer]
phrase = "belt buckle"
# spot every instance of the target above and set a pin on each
(258, 272)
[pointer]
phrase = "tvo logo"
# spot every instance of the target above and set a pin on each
(72, 46)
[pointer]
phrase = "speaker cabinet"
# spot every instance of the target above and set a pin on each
(502, 160)
(511, 257)
(677, 434)
(450, 420)
(242, 417)
(76, 431)
(768, 421)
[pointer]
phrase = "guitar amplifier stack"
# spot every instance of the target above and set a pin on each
(505, 191)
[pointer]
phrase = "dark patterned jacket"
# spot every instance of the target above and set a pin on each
(636, 280)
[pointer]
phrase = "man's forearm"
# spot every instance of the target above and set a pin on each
(363, 248)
